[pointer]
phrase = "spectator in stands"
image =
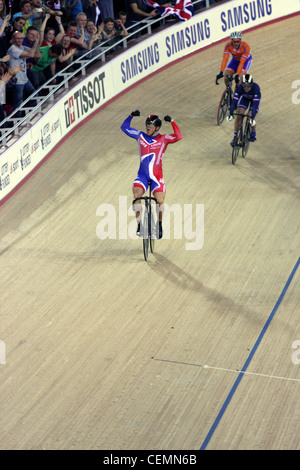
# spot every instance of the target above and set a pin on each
(17, 25)
(94, 32)
(29, 42)
(110, 31)
(73, 8)
(44, 69)
(123, 18)
(92, 10)
(5, 108)
(4, 25)
(83, 35)
(48, 36)
(136, 11)
(77, 42)
(66, 57)
(27, 13)
(21, 87)
(41, 11)
(107, 9)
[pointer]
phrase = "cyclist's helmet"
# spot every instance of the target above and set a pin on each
(235, 35)
(153, 119)
(247, 79)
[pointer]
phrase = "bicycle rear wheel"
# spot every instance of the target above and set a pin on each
(223, 107)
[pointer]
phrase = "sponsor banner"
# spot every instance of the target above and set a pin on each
(134, 64)
(28, 151)
(200, 31)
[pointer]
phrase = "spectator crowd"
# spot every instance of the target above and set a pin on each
(38, 38)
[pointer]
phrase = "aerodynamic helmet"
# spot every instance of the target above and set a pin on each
(235, 35)
(153, 119)
(247, 79)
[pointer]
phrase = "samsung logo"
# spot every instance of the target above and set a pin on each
(250, 11)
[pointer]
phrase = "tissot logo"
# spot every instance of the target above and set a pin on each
(85, 99)
(69, 111)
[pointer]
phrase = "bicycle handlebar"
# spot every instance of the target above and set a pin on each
(243, 115)
(144, 198)
(230, 78)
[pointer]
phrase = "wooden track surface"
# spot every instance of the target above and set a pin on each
(106, 351)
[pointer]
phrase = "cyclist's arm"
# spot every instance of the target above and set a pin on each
(241, 65)
(177, 133)
(130, 131)
(244, 57)
(224, 61)
(234, 103)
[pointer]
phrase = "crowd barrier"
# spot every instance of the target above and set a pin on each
(136, 63)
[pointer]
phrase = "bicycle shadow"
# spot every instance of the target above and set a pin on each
(177, 276)
(222, 304)
(268, 176)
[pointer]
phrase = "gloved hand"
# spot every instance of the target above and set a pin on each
(220, 75)
(237, 79)
(229, 118)
(135, 113)
(252, 122)
(168, 118)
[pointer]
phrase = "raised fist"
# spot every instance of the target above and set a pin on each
(168, 118)
(135, 113)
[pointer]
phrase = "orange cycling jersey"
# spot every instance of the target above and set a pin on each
(241, 55)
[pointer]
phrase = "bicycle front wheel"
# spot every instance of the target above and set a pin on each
(151, 230)
(223, 107)
(146, 233)
(246, 141)
(237, 144)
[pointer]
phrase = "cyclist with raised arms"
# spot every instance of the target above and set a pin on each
(241, 58)
(152, 146)
(247, 94)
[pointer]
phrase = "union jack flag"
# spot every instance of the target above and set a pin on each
(183, 9)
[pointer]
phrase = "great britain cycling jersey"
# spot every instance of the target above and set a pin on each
(151, 150)
(243, 98)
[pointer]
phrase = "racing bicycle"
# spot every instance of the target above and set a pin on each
(225, 101)
(241, 140)
(150, 220)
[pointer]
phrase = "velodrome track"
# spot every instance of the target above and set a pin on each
(106, 351)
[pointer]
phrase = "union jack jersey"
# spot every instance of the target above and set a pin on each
(152, 150)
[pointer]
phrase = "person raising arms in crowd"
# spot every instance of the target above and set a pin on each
(48, 35)
(152, 146)
(241, 58)
(22, 87)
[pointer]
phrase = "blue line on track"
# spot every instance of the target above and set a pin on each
(249, 359)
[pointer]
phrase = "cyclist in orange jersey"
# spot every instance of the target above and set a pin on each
(241, 58)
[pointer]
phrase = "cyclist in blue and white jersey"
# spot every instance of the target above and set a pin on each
(246, 95)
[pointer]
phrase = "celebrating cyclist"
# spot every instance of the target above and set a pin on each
(246, 95)
(241, 58)
(152, 146)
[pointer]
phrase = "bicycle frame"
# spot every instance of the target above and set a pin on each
(148, 225)
(241, 140)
